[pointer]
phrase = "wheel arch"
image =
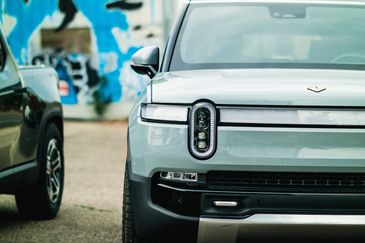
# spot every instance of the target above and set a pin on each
(58, 121)
(52, 117)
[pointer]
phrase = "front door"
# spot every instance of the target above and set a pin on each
(10, 109)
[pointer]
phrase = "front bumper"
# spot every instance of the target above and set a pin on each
(169, 212)
(283, 227)
(173, 213)
(154, 223)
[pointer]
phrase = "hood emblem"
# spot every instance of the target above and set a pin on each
(317, 89)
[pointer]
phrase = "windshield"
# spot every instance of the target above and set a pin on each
(271, 36)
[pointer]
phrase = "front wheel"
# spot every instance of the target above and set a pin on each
(43, 199)
(129, 234)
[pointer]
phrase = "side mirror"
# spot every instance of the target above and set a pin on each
(146, 61)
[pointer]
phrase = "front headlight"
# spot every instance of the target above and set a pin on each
(201, 119)
(164, 113)
(203, 130)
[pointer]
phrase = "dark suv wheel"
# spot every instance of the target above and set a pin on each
(43, 199)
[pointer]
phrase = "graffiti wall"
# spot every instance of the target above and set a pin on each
(89, 43)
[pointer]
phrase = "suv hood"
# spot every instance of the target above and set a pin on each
(261, 87)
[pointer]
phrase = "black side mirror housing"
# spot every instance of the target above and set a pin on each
(146, 61)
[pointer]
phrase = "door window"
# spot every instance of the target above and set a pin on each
(8, 73)
(2, 56)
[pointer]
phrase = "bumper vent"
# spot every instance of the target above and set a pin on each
(300, 182)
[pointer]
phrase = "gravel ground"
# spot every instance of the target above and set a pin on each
(91, 208)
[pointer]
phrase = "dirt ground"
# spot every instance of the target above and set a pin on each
(91, 209)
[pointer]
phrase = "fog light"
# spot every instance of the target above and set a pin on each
(191, 176)
(179, 176)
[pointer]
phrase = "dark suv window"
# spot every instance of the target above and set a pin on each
(239, 35)
(2, 56)
(8, 74)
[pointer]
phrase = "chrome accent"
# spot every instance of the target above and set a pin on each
(292, 116)
(212, 130)
(54, 171)
(276, 225)
(225, 204)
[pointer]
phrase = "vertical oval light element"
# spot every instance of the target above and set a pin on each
(203, 131)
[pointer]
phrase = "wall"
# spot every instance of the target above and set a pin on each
(89, 43)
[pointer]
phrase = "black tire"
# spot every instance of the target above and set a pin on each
(129, 234)
(36, 201)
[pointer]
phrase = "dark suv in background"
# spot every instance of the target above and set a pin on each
(31, 137)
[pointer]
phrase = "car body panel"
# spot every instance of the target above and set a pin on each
(274, 86)
(288, 147)
(10, 126)
(248, 149)
(34, 78)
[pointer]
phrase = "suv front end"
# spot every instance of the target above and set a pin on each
(268, 150)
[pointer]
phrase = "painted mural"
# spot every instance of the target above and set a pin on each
(104, 68)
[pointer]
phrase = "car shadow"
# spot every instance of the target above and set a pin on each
(9, 215)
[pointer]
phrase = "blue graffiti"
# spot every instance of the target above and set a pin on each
(30, 16)
(103, 21)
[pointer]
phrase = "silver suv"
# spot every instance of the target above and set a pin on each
(253, 126)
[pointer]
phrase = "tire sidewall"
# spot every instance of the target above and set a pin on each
(51, 133)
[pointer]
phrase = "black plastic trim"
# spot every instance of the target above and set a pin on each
(268, 192)
(18, 176)
(11, 88)
(250, 203)
(156, 224)
(17, 168)
(52, 113)
(175, 35)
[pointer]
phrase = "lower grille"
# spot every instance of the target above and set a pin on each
(284, 181)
